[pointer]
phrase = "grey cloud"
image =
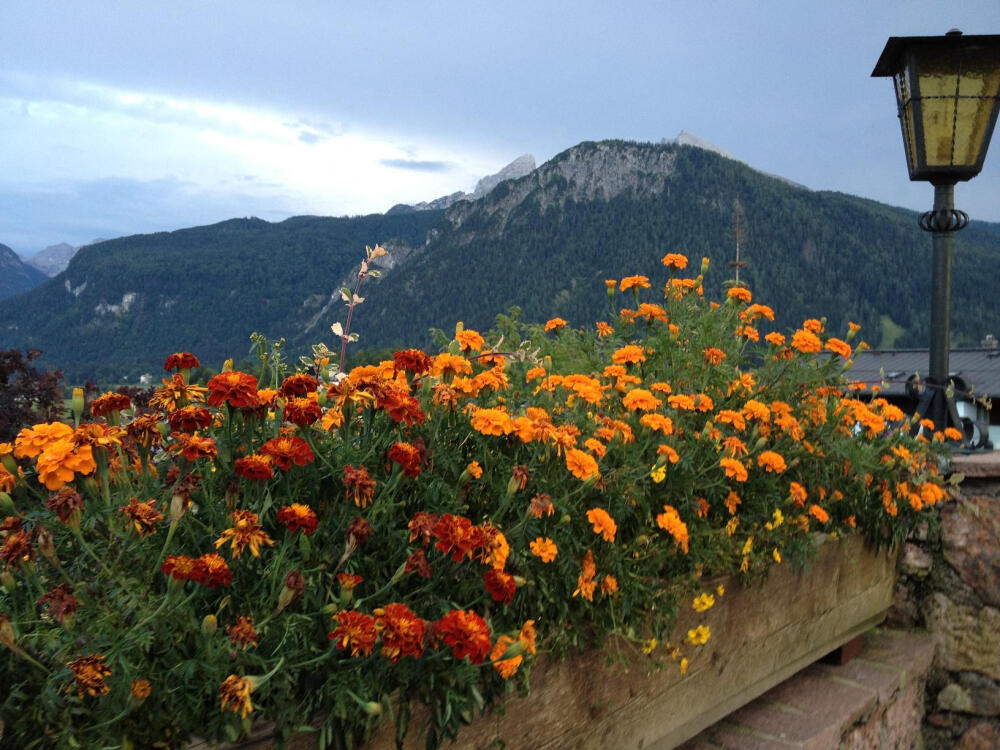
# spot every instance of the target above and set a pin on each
(417, 166)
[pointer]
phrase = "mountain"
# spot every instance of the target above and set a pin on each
(16, 276)
(122, 305)
(544, 242)
(521, 166)
(53, 259)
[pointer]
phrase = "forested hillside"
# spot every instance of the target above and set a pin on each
(544, 242)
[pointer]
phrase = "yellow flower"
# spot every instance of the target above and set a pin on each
(649, 646)
(700, 635)
(245, 532)
(659, 473)
(776, 555)
(234, 693)
(703, 603)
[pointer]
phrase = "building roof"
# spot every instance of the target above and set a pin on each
(979, 369)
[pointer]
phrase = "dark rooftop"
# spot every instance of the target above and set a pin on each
(978, 368)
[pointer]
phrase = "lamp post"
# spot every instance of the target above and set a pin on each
(948, 95)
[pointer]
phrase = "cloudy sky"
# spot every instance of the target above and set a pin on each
(145, 115)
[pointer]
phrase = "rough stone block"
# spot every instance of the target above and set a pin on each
(970, 538)
(969, 638)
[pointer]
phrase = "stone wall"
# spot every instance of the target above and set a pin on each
(949, 585)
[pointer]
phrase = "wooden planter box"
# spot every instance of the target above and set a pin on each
(761, 635)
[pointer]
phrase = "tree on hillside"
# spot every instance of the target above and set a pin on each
(27, 395)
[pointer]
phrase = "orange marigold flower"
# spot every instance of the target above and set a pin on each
(681, 402)
(740, 293)
(175, 392)
(492, 422)
(813, 325)
(798, 493)
(586, 584)
(243, 634)
(841, 348)
(734, 469)
(818, 513)
(181, 361)
(143, 516)
(298, 385)
(401, 630)
(469, 340)
(732, 502)
(254, 466)
(456, 535)
(775, 338)
(806, 342)
(474, 469)
(581, 464)
(238, 389)
(453, 364)
(629, 354)
(604, 329)
(89, 673)
(640, 399)
(495, 546)
(674, 260)
(109, 402)
(466, 633)
(140, 690)
(245, 532)
(634, 282)
(234, 694)
(412, 360)
(609, 585)
(506, 667)
(771, 461)
(670, 521)
(359, 485)
(554, 324)
(596, 447)
(541, 505)
(355, 632)
(285, 451)
(61, 461)
(713, 355)
(544, 549)
(31, 441)
(298, 517)
(668, 452)
(651, 312)
(754, 409)
(603, 523)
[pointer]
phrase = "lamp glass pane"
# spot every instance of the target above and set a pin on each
(905, 103)
(978, 89)
(938, 76)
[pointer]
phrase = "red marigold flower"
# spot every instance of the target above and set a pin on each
(234, 694)
(190, 418)
(254, 466)
(303, 411)
(417, 563)
(458, 536)
(287, 451)
(67, 503)
(243, 634)
(466, 633)
(212, 571)
(16, 547)
(238, 389)
(298, 517)
(109, 402)
(61, 601)
(541, 505)
(299, 384)
(193, 447)
(89, 673)
(402, 632)
(359, 530)
(355, 631)
(412, 360)
(501, 585)
(181, 361)
(245, 532)
(407, 456)
(401, 406)
(142, 516)
(359, 485)
(180, 567)
(421, 527)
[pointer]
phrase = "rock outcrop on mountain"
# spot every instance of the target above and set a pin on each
(521, 166)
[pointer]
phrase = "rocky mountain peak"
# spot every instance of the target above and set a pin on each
(53, 259)
(521, 166)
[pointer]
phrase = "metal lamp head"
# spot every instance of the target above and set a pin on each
(948, 94)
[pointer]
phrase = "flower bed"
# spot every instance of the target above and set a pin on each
(329, 548)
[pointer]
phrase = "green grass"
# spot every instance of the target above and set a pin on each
(890, 332)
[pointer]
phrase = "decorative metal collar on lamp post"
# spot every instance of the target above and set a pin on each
(948, 94)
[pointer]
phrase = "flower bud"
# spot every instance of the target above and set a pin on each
(176, 508)
(9, 463)
(704, 264)
(6, 632)
(77, 404)
(7, 505)
(372, 708)
(209, 624)
(8, 581)
(565, 519)
(46, 545)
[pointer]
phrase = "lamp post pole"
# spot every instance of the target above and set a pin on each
(943, 222)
